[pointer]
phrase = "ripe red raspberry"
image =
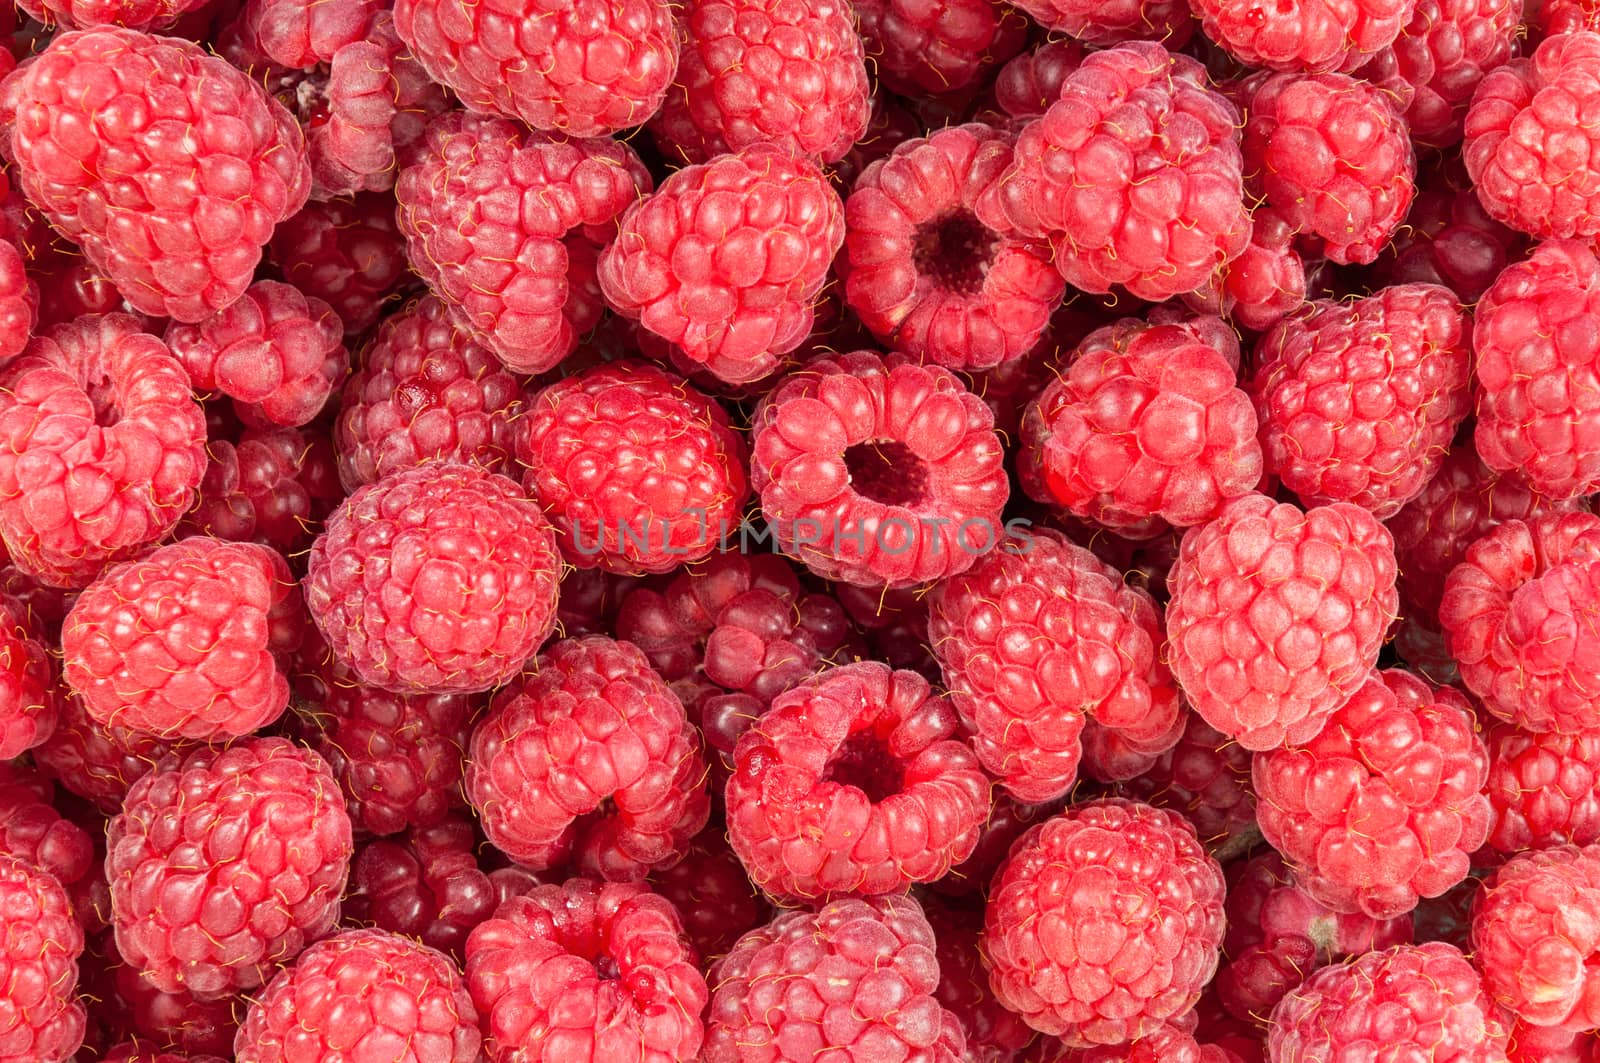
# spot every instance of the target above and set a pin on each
(1333, 156)
(272, 487)
(584, 71)
(1514, 617)
(920, 48)
(1167, 21)
(875, 471)
(1448, 238)
(512, 274)
(299, 37)
(1268, 279)
(103, 447)
(1313, 36)
(435, 579)
(424, 390)
(348, 253)
(1125, 198)
(854, 782)
(853, 981)
(712, 894)
(995, 1034)
(1145, 425)
(1545, 1044)
(256, 842)
(19, 302)
(84, 14)
(30, 703)
(1563, 16)
(1039, 639)
(1104, 923)
(1538, 416)
(786, 73)
(43, 1021)
(1359, 400)
(176, 1020)
(1544, 789)
(592, 725)
(1420, 1000)
(727, 258)
(363, 993)
(1028, 85)
(191, 250)
(34, 831)
(186, 642)
(1206, 779)
(635, 461)
(1277, 616)
(94, 761)
(426, 884)
(142, 1051)
(587, 973)
(928, 265)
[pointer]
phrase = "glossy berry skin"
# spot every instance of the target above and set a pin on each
(1277, 616)
(30, 704)
(363, 993)
(1544, 789)
(1448, 238)
(638, 471)
(878, 471)
(103, 448)
(191, 250)
(426, 884)
(1104, 923)
(1028, 85)
(1268, 279)
(1410, 809)
(1314, 36)
(1359, 400)
(300, 37)
(920, 48)
(42, 1020)
(435, 579)
(587, 973)
(256, 842)
(1426, 1000)
(1512, 615)
(591, 725)
(853, 981)
(1145, 425)
(348, 253)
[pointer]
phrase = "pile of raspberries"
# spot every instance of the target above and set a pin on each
(800, 531)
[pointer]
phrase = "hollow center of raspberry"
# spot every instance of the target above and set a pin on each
(606, 967)
(955, 250)
(103, 397)
(864, 761)
(885, 471)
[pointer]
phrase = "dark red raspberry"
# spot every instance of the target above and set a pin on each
(894, 622)
(583, 71)
(1123, 200)
(1030, 84)
(1205, 778)
(43, 1020)
(727, 258)
(590, 598)
(712, 893)
(1146, 425)
(30, 703)
(931, 267)
(435, 579)
(272, 487)
(889, 125)
(1008, 821)
(97, 762)
(141, 1051)
(1167, 21)
(103, 447)
(1277, 616)
(635, 461)
(1104, 923)
(348, 253)
(1333, 157)
(190, 250)
(995, 1034)
(592, 725)
(363, 993)
(920, 48)
(1514, 614)
(587, 973)
(34, 831)
(1544, 789)
(426, 884)
(1527, 146)
(177, 1020)
(878, 472)
(1423, 1000)
(853, 981)
(509, 266)
(227, 864)
(424, 389)
(1313, 36)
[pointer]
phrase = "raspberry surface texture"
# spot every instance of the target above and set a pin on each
(918, 47)
(42, 1020)
(1312, 36)
(348, 253)
(30, 703)
(1543, 789)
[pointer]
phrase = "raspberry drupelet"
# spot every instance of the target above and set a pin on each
(877, 471)
(919, 48)
(42, 1020)
(1310, 36)
(347, 252)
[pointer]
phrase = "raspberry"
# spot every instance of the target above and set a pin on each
(994, 1033)
(274, 487)
(920, 48)
(1008, 821)
(1104, 923)
(29, 701)
(1564, 16)
(853, 981)
(1538, 416)
(510, 266)
(1422, 1000)
(187, 642)
(43, 1022)
(712, 893)
(426, 884)
(636, 461)
(1135, 109)
(583, 70)
(1448, 238)
(178, 1020)
(1167, 21)
(889, 125)
(363, 993)
(1277, 616)
(1543, 789)
(1268, 279)
(1334, 157)
(1526, 147)
(1312, 36)
(586, 973)
(34, 832)
(103, 447)
(1206, 779)
(1543, 1044)
(348, 253)
(895, 624)
(765, 71)
(726, 259)
(95, 761)
(424, 390)
(190, 250)
(19, 302)
(930, 269)
(591, 725)
(589, 601)
(435, 579)
(1165, 1044)
(1028, 85)
(299, 37)
(878, 472)
(1515, 613)
(275, 352)
(1409, 810)
(140, 1051)
(1145, 424)
(83, 14)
